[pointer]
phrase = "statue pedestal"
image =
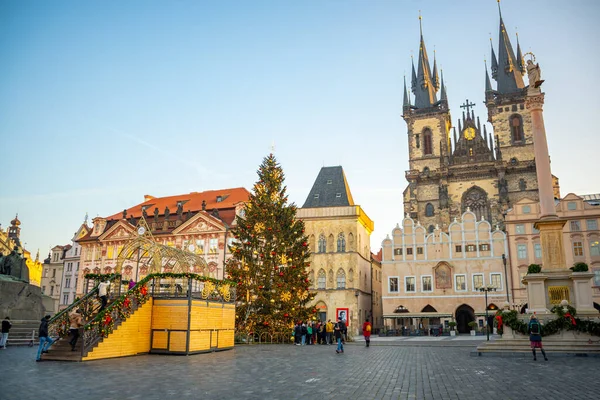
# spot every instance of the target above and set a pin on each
(548, 288)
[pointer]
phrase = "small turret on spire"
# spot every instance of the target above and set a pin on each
(485, 135)
(435, 77)
(494, 62)
(406, 102)
(455, 138)
(413, 83)
(424, 90)
(520, 60)
(491, 142)
(488, 83)
(443, 94)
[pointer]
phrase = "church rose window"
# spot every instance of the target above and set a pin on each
(476, 200)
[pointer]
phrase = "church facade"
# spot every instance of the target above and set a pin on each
(462, 181)
(455, 167)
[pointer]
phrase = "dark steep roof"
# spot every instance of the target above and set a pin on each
(330, 183)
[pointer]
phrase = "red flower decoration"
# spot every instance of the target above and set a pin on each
(127, 302)
(144, 290)
(107, 320)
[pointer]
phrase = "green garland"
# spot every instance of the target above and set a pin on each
(123, 305)
(564, 321)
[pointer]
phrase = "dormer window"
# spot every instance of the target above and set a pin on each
(329, 181)
(338, 195)
(316, 195)
(219, 199)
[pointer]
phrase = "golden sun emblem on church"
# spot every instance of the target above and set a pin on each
(469, 133)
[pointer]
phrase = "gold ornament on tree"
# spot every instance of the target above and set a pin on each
(302, 295)
(259, 227)
(286, 296)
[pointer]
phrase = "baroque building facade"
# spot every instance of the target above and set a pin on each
(201, 219)
(52, 274)
(71, 263)
(455, 167)
(581, 238)
(341, 262)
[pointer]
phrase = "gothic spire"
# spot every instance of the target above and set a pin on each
(488, 84)
(494, 62)
(443, 95)
(413, 83)
(424, 89)
(509, 77)
(434, 76)
(406, 102)
(520, 60)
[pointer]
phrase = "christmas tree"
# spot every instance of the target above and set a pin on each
(270, 258)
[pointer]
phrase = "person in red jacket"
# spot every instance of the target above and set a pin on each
(366, 328)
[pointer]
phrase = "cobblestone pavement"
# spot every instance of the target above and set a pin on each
(301, 372)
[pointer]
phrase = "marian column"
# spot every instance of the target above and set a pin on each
(550, 227)
(556, 282)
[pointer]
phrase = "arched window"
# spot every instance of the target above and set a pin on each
(477, 201)
(330, 242)
(427, 142)
(322, 244)
(431, 228)
(341, 279)
(429, 210)
(516, 128)
(341, 243)
(321, 280)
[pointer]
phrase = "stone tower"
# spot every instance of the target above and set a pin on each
(452, 170)
(428, 121)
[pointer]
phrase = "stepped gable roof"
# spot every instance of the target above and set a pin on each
(330, 189)
(215, 199)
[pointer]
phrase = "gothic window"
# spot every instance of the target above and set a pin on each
(427, 142)
(430, 229)
(341, 243)
(516, 128)
(321, 280)
(477, 201)
(522, 184)
(429, 210)
(341, 279)
(322, 244)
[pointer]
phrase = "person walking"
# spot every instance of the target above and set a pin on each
(76, 321)
(298, 334)
(309, 333)
(366, 328)
(6, 325)
(45, 340)
(304, 333)
(328, 331)
(103, 294)
(535, 336)
(339, 333)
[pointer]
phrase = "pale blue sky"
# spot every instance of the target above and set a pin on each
(102, 102)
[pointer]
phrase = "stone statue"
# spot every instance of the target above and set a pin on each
(155, 213)
(124, 214)
(180, 210)
(144, 213)
(443, 194)
(1, 263)
(167, 212)
(503, 189)
(534, 75)
(14, 265)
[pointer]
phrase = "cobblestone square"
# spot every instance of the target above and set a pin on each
(392, 370)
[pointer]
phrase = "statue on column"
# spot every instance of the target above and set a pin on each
(443, 195)
(534, 75)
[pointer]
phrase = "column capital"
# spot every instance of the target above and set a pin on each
(534, 102)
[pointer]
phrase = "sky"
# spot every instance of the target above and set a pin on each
(102, 102)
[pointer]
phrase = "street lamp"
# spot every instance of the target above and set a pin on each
(486, 289)
(505, 276)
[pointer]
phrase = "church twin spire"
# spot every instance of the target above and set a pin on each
(507, 69)
(424, 83)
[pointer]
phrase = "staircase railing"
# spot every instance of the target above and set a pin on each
(58, 326)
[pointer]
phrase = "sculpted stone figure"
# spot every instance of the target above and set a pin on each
(534, 75)
(14, 265)
(155, 213)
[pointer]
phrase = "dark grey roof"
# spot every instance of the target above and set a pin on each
(329, 190)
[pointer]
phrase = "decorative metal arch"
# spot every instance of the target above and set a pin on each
(144, 253)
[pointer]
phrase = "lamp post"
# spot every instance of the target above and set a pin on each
(485, 290)
(505, 276)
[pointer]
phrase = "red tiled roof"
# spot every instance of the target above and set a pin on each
(377, 257)
(192, 202)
